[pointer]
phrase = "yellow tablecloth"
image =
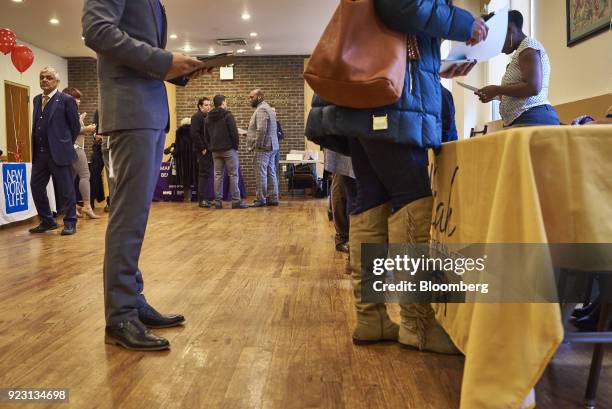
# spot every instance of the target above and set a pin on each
(525, 185)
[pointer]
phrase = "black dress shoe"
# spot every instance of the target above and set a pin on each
(135, 336)
(585, 310)
(342, 247)
(257, 203)
(68, 230)
(41, 228)
(239, 205)
(272, 203)
(589, 322)
(153, 319)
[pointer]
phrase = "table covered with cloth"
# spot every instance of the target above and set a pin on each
(522, 185)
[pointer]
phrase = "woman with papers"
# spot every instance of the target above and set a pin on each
(524, 87)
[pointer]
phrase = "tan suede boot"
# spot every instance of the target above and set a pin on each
(373, 322)
(418, 328)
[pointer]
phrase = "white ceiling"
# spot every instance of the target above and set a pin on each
(284, 27)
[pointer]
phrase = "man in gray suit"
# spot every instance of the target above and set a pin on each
(129, 38)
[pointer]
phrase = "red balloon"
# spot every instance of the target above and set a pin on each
(8, 39)
(22, 57)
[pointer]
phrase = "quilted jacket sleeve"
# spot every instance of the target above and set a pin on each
(433, 17)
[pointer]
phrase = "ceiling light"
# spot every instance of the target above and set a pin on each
(211, 51)
(54, 21)
(187, 48)
(173, 36)
(253, 34)
(82, 38)
(17, 1)
(246, 16)
(241, 51)
(257, 47)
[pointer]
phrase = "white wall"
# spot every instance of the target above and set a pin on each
(470, 112)
(29, 78)
(582, 71)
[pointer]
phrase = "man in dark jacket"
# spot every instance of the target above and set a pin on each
(205, 160)
(221, 138)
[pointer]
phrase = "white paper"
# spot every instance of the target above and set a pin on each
(484, 51)
(466, 86)
(473, 89)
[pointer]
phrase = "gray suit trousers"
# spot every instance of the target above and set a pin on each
(136, 158)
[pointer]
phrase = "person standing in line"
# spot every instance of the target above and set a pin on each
(221, 138)
(129, 38)
(205, 160)
(262, 130)
(394, 200)
(81, 166)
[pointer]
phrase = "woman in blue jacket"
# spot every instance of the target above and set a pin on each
(388, 147)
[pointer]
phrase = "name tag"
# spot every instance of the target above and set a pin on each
(380, 123)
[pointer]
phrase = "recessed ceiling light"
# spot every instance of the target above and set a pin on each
(253, 34)
(241, 51)
(187, 48)
(257, 47)
(17, 1)
(246, 16)
(211, 50)
(173, 36)
(54, 21)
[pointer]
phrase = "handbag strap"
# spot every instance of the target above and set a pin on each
(413, 48)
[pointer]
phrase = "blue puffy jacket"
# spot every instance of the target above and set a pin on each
(415, 118)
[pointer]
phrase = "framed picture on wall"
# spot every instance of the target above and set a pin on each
(586, 18)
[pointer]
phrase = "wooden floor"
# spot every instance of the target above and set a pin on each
(268, 310)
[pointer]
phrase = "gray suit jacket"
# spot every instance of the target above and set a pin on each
(132, 63)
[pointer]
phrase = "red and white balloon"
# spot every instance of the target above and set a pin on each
(8, 40)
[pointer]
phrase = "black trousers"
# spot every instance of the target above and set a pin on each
(205, 170)
(388, 172)
(43, 169)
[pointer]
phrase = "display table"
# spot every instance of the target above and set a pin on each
(526, 185)
(166, 191)
(16, 202)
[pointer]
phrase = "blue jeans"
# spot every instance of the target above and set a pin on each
(540, 115)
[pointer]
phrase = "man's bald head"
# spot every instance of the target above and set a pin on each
(256, 97)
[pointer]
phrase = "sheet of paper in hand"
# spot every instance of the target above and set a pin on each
(461, 52)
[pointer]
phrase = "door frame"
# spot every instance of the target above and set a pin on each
(28, 115)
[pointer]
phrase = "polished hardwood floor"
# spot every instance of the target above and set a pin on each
(269, 318)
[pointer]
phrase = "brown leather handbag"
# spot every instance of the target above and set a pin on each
(358, 62)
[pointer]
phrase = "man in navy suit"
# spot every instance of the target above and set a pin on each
(55, 126)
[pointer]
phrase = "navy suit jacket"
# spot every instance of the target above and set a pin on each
(62, 126)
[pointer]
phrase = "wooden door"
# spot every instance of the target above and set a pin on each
(17, 102)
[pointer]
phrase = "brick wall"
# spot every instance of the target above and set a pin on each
(82, 74)
(280, 77)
